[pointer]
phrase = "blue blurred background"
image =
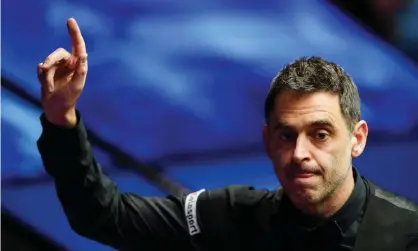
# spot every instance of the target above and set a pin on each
(177, 88)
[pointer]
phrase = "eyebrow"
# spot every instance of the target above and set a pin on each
(315, 123)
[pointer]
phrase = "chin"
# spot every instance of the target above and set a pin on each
(305, 196)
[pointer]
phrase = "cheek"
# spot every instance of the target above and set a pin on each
(336, 161)
(281, 157)
(326, 160)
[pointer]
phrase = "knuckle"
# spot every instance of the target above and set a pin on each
(78, 89)
(49, 58)
(82, 72)
(61, 50)
(83, 57)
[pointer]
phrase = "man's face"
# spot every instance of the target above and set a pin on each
(310, 145)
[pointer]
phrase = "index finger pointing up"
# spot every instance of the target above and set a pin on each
(77, 41)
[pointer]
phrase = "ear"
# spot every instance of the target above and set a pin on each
(266, 140)
(359, 138)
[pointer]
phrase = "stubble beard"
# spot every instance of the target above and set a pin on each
(318, 200)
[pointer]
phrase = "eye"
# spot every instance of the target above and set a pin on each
(285, 136)
(321, 136)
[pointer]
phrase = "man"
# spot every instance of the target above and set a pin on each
(312, 132)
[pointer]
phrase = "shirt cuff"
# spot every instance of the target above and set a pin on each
(63, 143)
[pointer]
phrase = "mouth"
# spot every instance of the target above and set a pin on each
(302, 180)
(303, 175)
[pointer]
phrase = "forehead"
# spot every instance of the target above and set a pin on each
(300, 108)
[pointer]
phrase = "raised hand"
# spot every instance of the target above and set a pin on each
(62, 76)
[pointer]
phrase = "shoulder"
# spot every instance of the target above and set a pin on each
(234, 197)
(224, 207)
(394, 200)
(398, 208)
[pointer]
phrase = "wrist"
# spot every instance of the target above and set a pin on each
(66, 119)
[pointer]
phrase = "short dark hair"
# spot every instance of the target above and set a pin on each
(314, 74)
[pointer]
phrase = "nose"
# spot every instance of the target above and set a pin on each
(301, 151)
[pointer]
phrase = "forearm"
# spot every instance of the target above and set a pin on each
(89, 198)
(94, 206)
